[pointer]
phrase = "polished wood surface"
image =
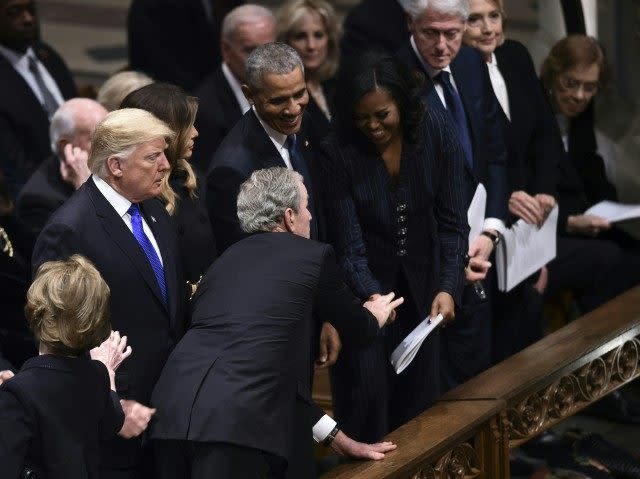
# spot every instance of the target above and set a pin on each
(469, 432)
(565, 350)
(428, 438)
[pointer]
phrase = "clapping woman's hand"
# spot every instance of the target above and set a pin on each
(112, 352)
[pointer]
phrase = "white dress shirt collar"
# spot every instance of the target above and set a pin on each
(115, 199)
(20, 62)
(278, 139)
(236, 88)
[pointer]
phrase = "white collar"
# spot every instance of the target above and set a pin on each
(277, 137)
(115, 199)
(432, 72)
(15, 57)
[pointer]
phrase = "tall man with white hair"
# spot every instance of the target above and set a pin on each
(114, 220)
(458, 82)
(243, 368)
(222, 102)
(65, 170)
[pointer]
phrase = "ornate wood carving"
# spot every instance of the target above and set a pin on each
(573, 391)
(461, 462)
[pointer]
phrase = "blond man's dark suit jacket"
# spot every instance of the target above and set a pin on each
(87, 224)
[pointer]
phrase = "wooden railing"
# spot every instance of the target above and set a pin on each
(471, 429)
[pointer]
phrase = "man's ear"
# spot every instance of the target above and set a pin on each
(409, 20)
(248, 94)
(114, 164)
(288, 219)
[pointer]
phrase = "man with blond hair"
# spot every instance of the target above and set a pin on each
(115, 221)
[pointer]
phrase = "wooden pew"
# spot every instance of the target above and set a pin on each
(470, 431)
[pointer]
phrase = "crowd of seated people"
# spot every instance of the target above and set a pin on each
(278, 211)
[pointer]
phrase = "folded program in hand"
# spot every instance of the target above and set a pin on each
(408, 348)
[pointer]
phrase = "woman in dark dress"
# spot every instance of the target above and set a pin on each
(598, 260)
(311, 27)
(55, 411)
(184, 193)
(394, 202)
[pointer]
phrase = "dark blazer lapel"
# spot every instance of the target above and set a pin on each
(168, 256)
(260, 142)
(16, 86)
(227, 99)
(122, 236)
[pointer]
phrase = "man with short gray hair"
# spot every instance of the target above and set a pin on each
(65, 170)
(243, 369)
(115, 221)
(458, 84)
(222, 102)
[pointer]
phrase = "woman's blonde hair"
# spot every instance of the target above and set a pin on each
(68, 306)
(291, 13)
(172, 105)
(119, 85)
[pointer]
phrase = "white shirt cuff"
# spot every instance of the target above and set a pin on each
(323, 427)
(494, 224)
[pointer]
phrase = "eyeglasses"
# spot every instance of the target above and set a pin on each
(433, 35)
(572, 85)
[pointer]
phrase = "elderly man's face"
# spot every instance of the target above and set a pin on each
(18, 23)
(438, 37)
(281, 100)
(301, 221)
(246, 38)
(140, 176)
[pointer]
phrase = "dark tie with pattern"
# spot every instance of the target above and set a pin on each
(50, 104)
(456, 109)
(147, 247)
(298, 164)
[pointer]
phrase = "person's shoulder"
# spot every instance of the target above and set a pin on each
(513, 51)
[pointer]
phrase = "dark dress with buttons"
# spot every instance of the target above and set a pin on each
(406, 234)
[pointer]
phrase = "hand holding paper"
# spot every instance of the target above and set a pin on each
(409, 347)
(614, 212)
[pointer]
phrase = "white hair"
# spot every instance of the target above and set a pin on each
(119, 85)
(415, 8)
(265, 196)
(249, 13)
(62, 124)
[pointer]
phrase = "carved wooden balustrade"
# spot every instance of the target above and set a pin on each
(469, 432)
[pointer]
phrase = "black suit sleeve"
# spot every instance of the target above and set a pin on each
(337, 305)
(16, 432)
(113, 417)
(12, 155)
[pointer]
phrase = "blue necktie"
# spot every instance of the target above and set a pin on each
(299, 165)
(455, 108)
(147, 247)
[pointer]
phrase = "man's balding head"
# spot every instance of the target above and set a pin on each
(243, 29)
(74, 122)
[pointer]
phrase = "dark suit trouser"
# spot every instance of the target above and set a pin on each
(596, 270)
(517, 320)
(369, 398)
(466, 341)
(229, 461)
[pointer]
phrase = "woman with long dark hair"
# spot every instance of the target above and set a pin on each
(395, 209)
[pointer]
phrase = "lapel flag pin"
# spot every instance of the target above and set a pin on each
(306, 142)
(153, 219)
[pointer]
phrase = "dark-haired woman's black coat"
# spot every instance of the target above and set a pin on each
(53, 414)
(407, 235)
(196, 243)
